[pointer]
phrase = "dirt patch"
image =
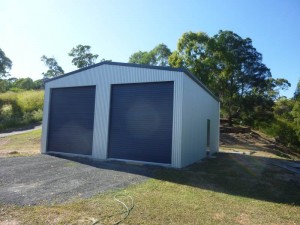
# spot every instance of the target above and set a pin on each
(254, 143)
(219, 216)
(243, 219)
(20, 152)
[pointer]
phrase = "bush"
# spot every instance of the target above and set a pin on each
(30, 101)
(283, 131)
(20, 108)
(37, 115)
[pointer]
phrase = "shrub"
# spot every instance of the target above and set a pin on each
(30, 101)
(283, 131)
(37, 115)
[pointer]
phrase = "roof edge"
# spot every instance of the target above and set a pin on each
(117, 64)
(194, 78)
(183, 70)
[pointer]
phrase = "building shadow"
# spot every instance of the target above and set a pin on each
(234, 174)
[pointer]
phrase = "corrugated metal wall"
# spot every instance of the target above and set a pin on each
(105, 75)
(198, 106)
(192, 107)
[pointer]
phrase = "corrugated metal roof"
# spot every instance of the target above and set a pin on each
(183, 70)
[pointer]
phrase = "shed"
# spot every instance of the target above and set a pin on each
(131, 112)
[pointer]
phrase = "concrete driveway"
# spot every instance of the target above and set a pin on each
(45, 179)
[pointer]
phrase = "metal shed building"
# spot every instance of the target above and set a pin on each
(151, 114)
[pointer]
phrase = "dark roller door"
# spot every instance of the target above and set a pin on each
(141, 117)
(71, 120)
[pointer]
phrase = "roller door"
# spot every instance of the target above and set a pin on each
(71, 120)
(141, 118)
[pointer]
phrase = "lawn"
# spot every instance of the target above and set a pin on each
(25, 144)
(228, 189)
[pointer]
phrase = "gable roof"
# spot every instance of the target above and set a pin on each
(185, 71)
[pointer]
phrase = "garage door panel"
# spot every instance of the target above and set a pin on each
(141, 122)
(71, 120)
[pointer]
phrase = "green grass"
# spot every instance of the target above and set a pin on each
(229, 189)
(21, 144)
(161, 202)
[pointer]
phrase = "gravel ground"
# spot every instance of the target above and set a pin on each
(46, 179)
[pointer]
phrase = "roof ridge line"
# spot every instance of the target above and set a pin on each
(168, 68)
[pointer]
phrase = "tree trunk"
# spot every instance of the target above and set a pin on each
(230, 120)
(230, 102)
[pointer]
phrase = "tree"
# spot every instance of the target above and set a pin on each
(140, 58)
(286, 125)
(296, 115)
(192, 53)
(157, 56)
(283, 107)
(54, 69)
(82, 57)
(12, 80)
(4, 85)
(233, 69)
(24, 83)
(160, 55)
(5, 64)
(276, 85)
(297, 91)
(38, 84)
(296, 110)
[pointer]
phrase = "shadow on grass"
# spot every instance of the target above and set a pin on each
(234, 174)
(21, 128)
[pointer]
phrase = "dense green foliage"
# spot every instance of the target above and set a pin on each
(20, 108)
(21, 84)
(285, 124)
(233, 69)
(159, 56)
(230, 66)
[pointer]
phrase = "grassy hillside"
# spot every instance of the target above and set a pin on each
(20, 108)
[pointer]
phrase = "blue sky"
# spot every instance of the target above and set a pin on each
(116, 29)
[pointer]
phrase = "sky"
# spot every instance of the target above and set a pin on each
(115, 29)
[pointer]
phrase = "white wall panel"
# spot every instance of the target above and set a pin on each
(198, 106)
